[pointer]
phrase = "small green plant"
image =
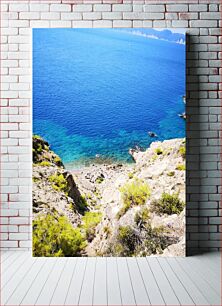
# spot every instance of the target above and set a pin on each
(168, 204)
(126, 241)
(59, 183)
(159, 151)
(90, 220)
(171, 173)
(154, 157)
(142, 216)
(45, 163)
(133, 193)
(82, 204)
(181, 167)
(55, 236)
(99, 180)
(35, 179)
(107, 230)
(57, 160)
(182, 151)
(130, 175)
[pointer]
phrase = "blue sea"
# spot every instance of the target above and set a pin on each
(97, 92)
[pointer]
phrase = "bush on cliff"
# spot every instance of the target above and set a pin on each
(141, 241)
(134, 193)
(55, 237)
(59, 183)
(167, 204)
(90, 220)
(182, 151)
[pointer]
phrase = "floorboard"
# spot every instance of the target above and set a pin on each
(154, 293)
(187, 281)
(113, 285)
(100, 283)
(86, 294)
(27, 280)
(75, 286)
(208, 292)
(165, 287)
(47, 291)
(126, 289)
(64, 282)
(139, 288)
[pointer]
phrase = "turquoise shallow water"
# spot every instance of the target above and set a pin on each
(97, 92)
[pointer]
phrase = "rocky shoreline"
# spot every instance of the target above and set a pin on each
(122, 198)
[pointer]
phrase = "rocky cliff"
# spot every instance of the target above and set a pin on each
(121, 209)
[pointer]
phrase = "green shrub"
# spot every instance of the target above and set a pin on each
(167, 204)
(82, 204)
(90, 220)
(140, 242)
(57, 160)
(56, 237)
(142, 216)
(155, 240)
(133, 193)
(181, 167)
(125, 241)
(45, 163)
(159, 151)
(130, 175)
(107, 230)
(99, 180)
(171, 173)
(182, 151)
(59, 183)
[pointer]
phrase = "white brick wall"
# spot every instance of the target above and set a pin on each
(202, 20)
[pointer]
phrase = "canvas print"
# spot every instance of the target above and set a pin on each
(109, 145)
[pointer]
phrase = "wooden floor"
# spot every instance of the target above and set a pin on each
(110, 281)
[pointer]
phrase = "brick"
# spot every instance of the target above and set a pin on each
(112, 15)
(25, 244)
(18, 23)
(9, 212)
(122, 8)
(9, 244)
(203, 23)
(39, 23)
(9, 63)
(18, 236)
(187, 16)
(29, 15)
(9, 126)
(51, 15)
(102, 24)
(18, 118)
(82, 8)
(37, 7)
(82, 24)
(154, 8)
(177, 8)
(102, 7)
(180, 23)
(60, 24)
(137, 8)
(207, 15)
(197, 7)
(60, 8)
(92, 15)
(18, 7)
(122, 24)
(213, 7)
(171, 16)
(71, 16)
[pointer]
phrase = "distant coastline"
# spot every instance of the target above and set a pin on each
(136, 32)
